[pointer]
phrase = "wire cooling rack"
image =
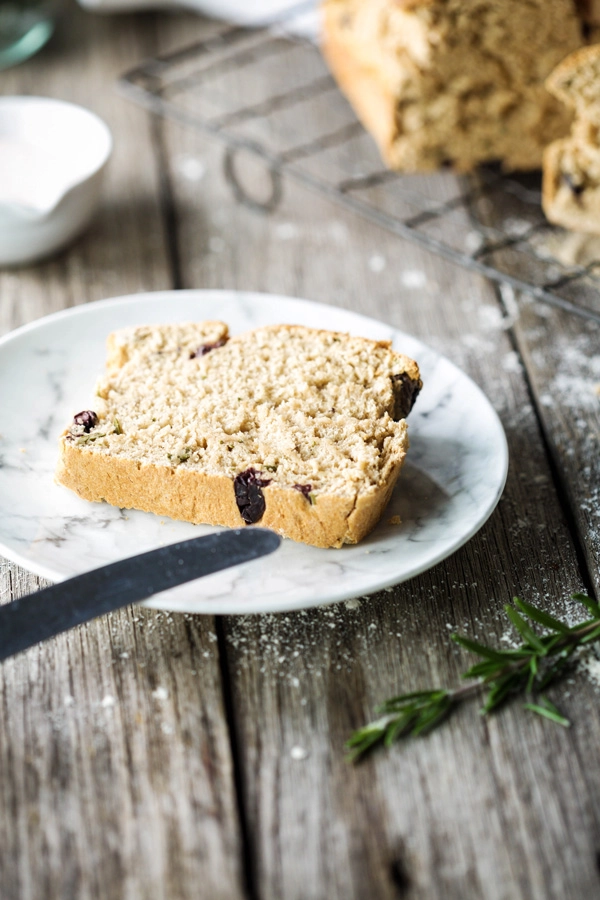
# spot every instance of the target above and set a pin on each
(302, 128)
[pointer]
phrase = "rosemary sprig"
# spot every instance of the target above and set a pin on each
(529, 669)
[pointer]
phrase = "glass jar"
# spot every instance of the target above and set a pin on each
(25, 26)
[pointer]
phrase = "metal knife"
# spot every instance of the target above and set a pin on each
(48, 612)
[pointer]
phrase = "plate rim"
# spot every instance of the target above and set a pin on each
(333, 596)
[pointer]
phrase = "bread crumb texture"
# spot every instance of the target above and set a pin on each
(297, 429)
(444, 82)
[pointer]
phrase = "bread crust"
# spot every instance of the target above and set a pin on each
(200, 498)
(373, 104)
(550, 179)
(557, 80)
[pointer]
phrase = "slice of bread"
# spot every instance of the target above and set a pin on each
(296, 429)
(571, 183)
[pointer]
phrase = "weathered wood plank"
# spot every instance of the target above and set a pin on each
(561, 355)
(502, 809)
(116, 776)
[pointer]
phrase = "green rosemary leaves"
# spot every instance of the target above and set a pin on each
(527, 670)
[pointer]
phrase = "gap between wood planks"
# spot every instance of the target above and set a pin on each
(249, 851)
(257, 874)
(557, 479)
(166, 202)
(169, 210)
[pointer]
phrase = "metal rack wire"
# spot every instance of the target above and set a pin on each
(305, 130)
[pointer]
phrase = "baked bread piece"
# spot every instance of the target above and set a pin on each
(571, 182)
(575, 81)
(444, 82)
(293, 428)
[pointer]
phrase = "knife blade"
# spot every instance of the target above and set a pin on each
(55, 609)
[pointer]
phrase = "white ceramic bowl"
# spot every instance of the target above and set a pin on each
(50, 188)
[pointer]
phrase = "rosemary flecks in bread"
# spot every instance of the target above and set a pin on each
(299, 429)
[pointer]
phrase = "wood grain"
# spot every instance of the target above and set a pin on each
(564, 375)
(116, 771)
(161, 756)
(502, 809)
(561, 358)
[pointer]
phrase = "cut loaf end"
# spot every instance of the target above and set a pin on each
(298, 430)
(571, 182)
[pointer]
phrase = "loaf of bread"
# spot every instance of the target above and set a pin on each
(571, 182)
(297, 429)
(449, 82)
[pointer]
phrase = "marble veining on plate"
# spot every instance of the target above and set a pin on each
(451, 483)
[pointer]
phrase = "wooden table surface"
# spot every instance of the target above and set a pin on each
(186, 786)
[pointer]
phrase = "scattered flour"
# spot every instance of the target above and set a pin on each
(286, 231)
(216, 244)
(516, 227)
(377, 263)
(338, 232)
(474, 241)
(512, 363)
(160, 693)
(574, 385)
(298, 753)
(491, 318)
(589, 665)
(413, 278)
(190, 168)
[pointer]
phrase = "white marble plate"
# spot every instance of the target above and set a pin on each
(452, 482)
